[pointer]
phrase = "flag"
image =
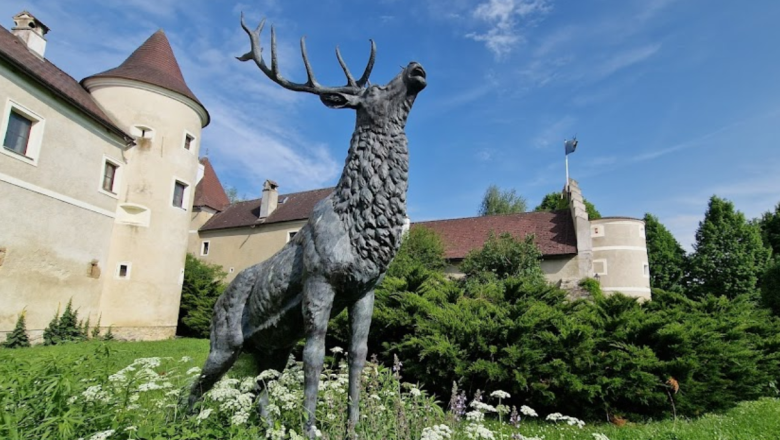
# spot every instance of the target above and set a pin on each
(570, 146)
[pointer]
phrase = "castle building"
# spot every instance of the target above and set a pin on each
(573, 247)
(97, 179)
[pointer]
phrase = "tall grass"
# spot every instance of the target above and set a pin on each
(115, 390)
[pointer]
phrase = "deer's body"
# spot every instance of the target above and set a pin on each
(335, 261)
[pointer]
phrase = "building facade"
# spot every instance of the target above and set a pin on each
(97, 179)
(573, 247)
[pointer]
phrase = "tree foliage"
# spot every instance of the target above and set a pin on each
(667, 258)
(497, 201)
(505, 256)
(421, 247)
(202, 286)
(554, 202)
(18, 338)
(729, 255)
(500, 328)
(770, 229)
(65, 328)
(770, 287)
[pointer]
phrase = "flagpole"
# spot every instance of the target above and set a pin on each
(567, 173)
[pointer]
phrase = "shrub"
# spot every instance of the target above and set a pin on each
(65, 328)
(505, 256)
(18, 338)
(202, 286)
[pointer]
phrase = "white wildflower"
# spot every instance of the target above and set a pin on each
(437, 432)
(240, 418)
(475, 416)
(102, 435)
(375, 397)
(294, 435)
(268, 374)
(204, 414)
(185, 359)
(572, 421)
(135, 428)
(522, 437)
(484, 407)
(149, 386)
(479, 431)
(134, 397)
(415, 392)
(335, 350)
(72, 400)
(173, 393)
(193, 370)
(95, 393)
(276, 434)
(529, 411)
(598, 436)
(500, 394)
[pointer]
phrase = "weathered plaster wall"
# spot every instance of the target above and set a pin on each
(620, 243)
(240, 248)
(145, 304)
(54, 219)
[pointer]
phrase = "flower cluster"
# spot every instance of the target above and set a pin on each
(558, 417)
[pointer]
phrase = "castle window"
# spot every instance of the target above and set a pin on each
(291, 234)
(22, 131)
(204, 248)
(600, 267)
(109, 181)
(597, 231)
(123, 271)
(646, 270)
(189, 142)
(179, 194)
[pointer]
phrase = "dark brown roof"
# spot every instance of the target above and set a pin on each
(296, 206)
(15, 52)
(209, 191)
(153, 63)
(554, 231)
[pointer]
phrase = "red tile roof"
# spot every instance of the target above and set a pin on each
(554, 231)
(14, 51)
(295, 206)
(153, 63)
(209, 191)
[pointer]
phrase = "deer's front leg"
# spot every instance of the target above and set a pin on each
(359, 323)
(317, 302)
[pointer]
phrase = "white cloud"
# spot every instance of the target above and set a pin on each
(502, 17)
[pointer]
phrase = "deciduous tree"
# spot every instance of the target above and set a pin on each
(729, 255)
(497, 201)
(554, 202)
(667, 258)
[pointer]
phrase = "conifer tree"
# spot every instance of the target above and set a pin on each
(729, 255)
(666, 257)
(18, 337)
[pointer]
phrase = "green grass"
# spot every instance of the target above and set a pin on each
(42, 396)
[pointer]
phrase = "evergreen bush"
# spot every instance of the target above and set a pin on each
(202, 286)
(65, 328)
(18, 338)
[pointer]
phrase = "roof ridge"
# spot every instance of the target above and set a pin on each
(489, 216)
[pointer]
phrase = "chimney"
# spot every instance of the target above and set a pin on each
(30, 30)
(270, 198)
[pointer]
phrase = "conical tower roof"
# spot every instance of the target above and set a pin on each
(153, 63)
(209, 191)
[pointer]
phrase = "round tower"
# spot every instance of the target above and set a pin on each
(620, 256)
(155, 182)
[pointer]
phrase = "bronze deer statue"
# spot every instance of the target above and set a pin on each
(335, 261)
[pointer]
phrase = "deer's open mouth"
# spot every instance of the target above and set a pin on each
(417, 71)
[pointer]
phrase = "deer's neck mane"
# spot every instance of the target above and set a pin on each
(370, 197)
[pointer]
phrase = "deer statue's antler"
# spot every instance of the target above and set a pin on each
(311, 85)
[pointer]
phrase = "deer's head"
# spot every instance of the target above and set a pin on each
(374, 104)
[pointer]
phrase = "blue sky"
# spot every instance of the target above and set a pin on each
(672, 101)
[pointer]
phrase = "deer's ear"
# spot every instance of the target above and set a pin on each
(338, 100)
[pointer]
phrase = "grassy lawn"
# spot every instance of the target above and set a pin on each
(134, 390)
